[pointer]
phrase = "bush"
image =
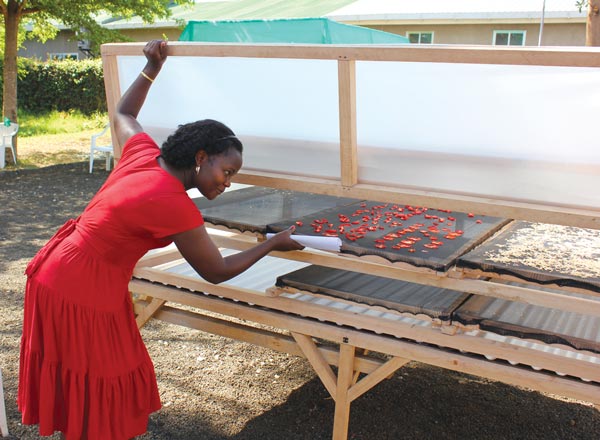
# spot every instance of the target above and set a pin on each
(61, 86)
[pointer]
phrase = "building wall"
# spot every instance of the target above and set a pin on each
(554, 34)
(62, 43)
(44, 51)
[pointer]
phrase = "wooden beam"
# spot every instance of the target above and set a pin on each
(510, 209)
(464, 54)
(253, 335)
(347, 118)
(372, 379)
(318, 362)
(159, 257)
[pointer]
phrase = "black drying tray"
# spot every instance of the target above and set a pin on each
(372, 290)
(526, 321)
(253, 208)
(476, 228)
(478, 259)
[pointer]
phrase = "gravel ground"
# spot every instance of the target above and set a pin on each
(216, 388)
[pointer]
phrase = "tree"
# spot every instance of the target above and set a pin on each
(78, 15)
(592, 28)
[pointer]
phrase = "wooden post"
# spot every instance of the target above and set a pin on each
(347, 116)
(113, 94)
(592, 28)
(342, 400)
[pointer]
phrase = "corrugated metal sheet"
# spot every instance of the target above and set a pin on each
(264, 274)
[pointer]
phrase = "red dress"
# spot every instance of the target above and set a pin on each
(84, 369)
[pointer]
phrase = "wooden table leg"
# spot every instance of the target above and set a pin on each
(145, 313)
(342, 400)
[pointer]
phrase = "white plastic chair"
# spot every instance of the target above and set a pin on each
(8, 141)
(3, 422)
(106, 149)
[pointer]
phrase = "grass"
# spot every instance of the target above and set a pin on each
(55, 138)
(59, 123)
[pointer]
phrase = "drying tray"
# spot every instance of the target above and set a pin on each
(526, 321)
(541, 253)
(252, 208)
(456, 231)
(503, 317)
(400, 296)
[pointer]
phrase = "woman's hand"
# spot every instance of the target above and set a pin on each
(282, 241)
(128, 107)
(156, 54)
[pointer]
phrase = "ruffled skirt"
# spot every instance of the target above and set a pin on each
(84, 369)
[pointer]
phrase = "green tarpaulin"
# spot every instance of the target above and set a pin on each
(302, 31)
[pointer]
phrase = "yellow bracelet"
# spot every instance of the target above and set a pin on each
(147, 77)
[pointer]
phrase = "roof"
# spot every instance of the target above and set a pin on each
(364, 11)
(240, 10)
(394, 10)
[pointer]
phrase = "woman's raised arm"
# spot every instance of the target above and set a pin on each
(130, 104)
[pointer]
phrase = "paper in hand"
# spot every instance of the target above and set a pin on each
(331, 244)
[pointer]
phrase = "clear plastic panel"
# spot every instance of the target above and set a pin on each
(507, 132)
(285, 111)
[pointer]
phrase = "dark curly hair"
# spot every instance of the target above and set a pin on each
(214, 137)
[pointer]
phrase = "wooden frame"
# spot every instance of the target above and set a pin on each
(347, 186)
(155, 288)
(353, 346)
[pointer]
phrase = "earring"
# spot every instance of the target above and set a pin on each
(197, 169)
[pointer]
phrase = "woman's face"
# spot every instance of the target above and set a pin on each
(216, 172)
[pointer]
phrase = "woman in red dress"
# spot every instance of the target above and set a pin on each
(84, 370)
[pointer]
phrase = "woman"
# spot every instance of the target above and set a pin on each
(84, 370)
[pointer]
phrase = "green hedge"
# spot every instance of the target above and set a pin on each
(61, 85)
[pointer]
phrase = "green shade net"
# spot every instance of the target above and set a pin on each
(301, 31)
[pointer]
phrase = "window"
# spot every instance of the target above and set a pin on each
(420, 37)
(509, 38)
(63, 56)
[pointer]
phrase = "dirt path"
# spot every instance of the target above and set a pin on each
(215, 388)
